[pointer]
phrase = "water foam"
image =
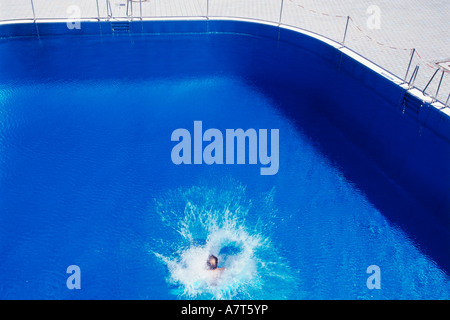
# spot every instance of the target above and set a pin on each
(220, 221)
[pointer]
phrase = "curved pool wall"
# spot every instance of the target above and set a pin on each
(404, 133)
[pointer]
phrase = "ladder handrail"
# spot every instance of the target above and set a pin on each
(410, 61)
(129, 6)
(413, 77)
(108, 9)
(439, 86)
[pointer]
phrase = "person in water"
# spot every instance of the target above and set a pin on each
(212, 263)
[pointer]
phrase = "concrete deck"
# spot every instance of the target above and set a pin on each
(384, 34)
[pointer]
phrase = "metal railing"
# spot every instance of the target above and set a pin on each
(413, 77)
(439, 85)
(129, 14)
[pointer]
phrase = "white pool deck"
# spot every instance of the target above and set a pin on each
(383, 31)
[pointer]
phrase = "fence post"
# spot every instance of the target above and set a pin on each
(345, 32)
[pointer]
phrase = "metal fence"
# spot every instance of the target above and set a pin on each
(392, 44)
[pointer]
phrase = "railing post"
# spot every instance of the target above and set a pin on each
(207, 9)
(410, 61)
(279, 19)
(34, 18)
(34, 14)
(281, 12)
(345, 32)
(98, 11)
(448, 99)
(108, 9)
(140, 9)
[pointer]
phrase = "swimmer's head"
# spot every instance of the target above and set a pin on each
(212, 262)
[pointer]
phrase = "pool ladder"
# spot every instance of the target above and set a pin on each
(410, 104)
(120, 26)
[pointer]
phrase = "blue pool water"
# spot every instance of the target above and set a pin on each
(86, 178)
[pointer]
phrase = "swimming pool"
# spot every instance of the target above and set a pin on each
(87, 177)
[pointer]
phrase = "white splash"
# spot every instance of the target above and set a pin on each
(215, 221)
